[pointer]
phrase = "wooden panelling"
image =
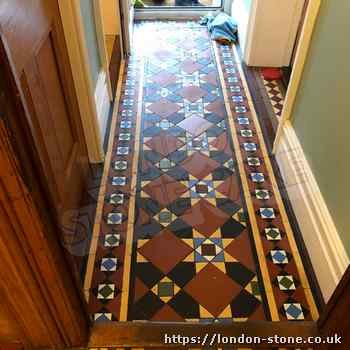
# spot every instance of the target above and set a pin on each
(44, 304)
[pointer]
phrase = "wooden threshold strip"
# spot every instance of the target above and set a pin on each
(152, 334)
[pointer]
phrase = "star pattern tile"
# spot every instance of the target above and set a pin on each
(193, 255)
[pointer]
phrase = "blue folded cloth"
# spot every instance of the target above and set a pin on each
(221, 26)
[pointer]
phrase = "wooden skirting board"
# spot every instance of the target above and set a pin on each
(326, 250)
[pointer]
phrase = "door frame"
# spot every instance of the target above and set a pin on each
(79, 61)
(298, 68)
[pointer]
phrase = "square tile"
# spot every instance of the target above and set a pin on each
(114, 218)
(116, 198)
(119, 181)
(112, 240)
(267, 213)
(109, 264)
(106, 291)
(166, 289)
(273, 234)
(250, 146)
(120, 165)
(253, 161)
(294, 311)
(286, 282)
(195, 125)
(125, 124)
(240, 109)
(262, 194)
(243, 121)
(124, 137)
(279, 256)
(123, 150)
(246, 133)
(257, 177)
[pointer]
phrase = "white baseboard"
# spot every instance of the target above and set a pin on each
(325, 248)
(102, 102)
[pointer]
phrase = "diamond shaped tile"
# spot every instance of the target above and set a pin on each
(112, 240)
(109, 264)
(199, 165)
(217, 107)
(192, 93)
(164, 78)
(164, 143)
(294, 311)
(279, 256)
(206, 284)
(195, 125)
(204, 217)
(106, 291)
(165, 250)
(164, 108)
(189, 66)
(267, 213)
(286, 282)
(273, 234)
(165, 189)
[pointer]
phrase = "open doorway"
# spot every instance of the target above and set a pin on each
(109, 33)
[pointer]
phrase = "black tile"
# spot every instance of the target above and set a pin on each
(244, 305)
(239, 273)
(228, 206)
(146, 307)
(183, 273)
(179, 206)
(181, 229)
(221, 173)
(148, 274)
(178, 156)
(185, 305)
(178, 173)
(231, 229)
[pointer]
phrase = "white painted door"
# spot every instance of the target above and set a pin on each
(127, 15)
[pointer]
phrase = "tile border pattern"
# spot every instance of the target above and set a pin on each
(279, 247)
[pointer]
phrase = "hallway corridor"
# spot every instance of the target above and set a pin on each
(191, 225)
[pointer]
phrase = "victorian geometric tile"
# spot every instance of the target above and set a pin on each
(190, 219)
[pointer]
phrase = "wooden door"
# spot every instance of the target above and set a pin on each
(32, 33)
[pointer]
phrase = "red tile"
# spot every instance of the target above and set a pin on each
(217, 107)
(213, 289)
(199, 165)
(164, 78)
(164, 108)
(192, 93)
(189, 66)
(164, 143)
(165, 189)
(195, 125)
(204, 217)
(166, 313)
(165, 251)
(231, 189)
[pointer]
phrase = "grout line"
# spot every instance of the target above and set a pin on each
(102, 191)
(256, 234)
(285, 220)
(131, 215)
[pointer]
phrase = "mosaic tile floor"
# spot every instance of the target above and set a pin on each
(191, 225)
